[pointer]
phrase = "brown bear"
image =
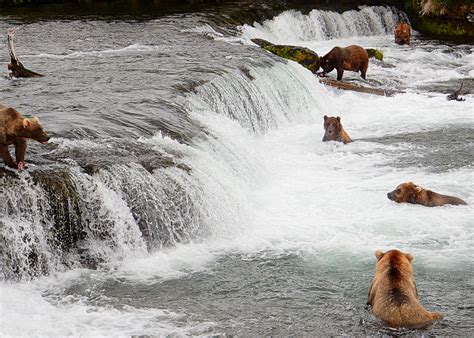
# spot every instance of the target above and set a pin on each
(393, 294)
(354, 58)
(15, 129)
(402, 34)
(333, 130)
(411, 193)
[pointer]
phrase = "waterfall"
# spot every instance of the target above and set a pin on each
(69, 216)
(324, 25)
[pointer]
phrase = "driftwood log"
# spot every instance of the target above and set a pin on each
(360, 89)
(304, 56)
(15, 66)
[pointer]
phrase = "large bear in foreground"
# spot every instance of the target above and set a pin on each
(354, 58)
(411, 193)
(333, 130)
(393, 294)
(402, 33)
(15, 129)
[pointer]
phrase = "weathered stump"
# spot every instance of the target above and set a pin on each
(15, 66)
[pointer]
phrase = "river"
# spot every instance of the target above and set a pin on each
(186, 189)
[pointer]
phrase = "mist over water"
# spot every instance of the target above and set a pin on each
(200, 198)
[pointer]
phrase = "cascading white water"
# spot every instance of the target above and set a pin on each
(323, 25)
(24, 239)
(261, 99)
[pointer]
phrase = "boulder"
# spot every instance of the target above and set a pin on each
(304, 56)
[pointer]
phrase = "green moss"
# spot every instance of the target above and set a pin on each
(436, 26)
(375, 53)
(304, 56)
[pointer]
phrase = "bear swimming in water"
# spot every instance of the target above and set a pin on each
(393, 294)
(333, 130)
(411, 193)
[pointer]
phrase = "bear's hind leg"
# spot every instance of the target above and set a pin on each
(363, 70)
(7, 158)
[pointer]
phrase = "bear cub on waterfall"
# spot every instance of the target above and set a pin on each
(15, 129)
(393, 294)
(333, 130)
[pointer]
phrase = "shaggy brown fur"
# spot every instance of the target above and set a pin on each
(354, 58)
(333, 130)
(15, 129)
(393, 294)
(411, 193)
(402, 34)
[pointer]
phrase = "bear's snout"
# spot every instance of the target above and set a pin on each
(391, 195)
(45, 140)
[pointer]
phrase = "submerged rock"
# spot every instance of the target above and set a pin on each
(304, 56)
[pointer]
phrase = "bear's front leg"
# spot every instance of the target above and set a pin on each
(20, 151)
(7, 158)
(340, 71)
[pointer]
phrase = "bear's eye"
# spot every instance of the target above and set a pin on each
(399, 191)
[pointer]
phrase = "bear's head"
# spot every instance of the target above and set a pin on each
(328, 62)
(332, 128)
(405, 192)
(398, 262)
(33, 129)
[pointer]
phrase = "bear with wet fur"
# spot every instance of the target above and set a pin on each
(402, 34)
(393, 294)
(333, 130)
(15, 130)
(354, 58)
(411, 193)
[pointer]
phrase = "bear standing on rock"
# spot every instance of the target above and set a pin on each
(393, 294)
(15, 129)
(354, 58)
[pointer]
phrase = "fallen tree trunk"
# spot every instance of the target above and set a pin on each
(360, 89)
(304, 56)
(15, 66)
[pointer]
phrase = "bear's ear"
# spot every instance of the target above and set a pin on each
(418, 189)
(35, 119)
(338, 118)
(325, 117)
(378, 254)
(26, 123)
(409, 256)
